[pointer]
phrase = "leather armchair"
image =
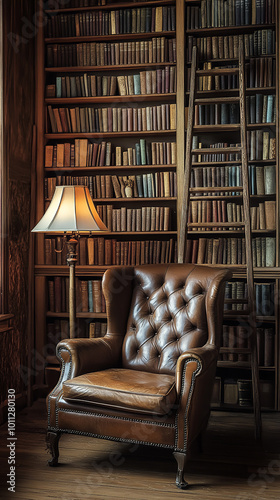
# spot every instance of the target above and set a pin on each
(150, 379)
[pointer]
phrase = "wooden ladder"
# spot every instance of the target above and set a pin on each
(246, 225)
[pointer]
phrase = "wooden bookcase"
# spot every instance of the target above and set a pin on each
(46, 75)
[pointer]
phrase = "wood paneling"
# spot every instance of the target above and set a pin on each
(18, 119)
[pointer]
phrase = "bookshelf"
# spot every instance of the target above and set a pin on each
(150, 245)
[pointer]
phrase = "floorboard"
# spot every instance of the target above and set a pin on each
(232, 466)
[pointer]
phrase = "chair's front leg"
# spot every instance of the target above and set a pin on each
(181, 459)
(52, 445)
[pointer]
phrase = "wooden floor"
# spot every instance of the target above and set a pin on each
(232, 465)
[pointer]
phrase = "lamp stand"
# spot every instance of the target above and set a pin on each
(71, 261)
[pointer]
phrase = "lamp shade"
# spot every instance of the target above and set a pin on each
(71, 210)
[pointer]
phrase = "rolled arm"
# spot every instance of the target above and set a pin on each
(88, 355)
(195, 372)
(205, 355)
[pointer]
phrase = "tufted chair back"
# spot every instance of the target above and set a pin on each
(171, 312)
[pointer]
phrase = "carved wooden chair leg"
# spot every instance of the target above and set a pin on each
(52, 444)
(181, 459)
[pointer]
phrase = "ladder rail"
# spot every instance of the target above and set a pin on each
(248, 242)
(188, 161)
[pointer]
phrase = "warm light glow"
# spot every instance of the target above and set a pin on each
(71, 210)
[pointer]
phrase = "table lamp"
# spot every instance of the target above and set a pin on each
(72, 212)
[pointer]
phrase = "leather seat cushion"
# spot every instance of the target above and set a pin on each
(124, 389)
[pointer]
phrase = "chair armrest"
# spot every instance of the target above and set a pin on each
(205, 355)
(79, 356)
(195, 374)
(88, 355)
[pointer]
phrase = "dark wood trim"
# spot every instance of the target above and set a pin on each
(108, 38)
(119, 6)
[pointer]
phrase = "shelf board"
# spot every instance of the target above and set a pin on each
(229, 30)
(111, 168)
(129, 200)
(228, 162)
(110, 6)
(119, 67)
(51, 314)
(226, 92)
(5, 317)
(110, 99)
(230, 127)
(239, 271)
(5, 329)
(107, 135)
(233, 60)
(108, 38)
(115, 234)
(242, 364)
(225, 233)
(233, 198)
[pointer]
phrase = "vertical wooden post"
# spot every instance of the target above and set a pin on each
(248, 244)
(180, 106)
(188, 162)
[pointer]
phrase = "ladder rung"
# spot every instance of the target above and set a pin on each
(244, 313)
(201, 151)
(217, 71)
(236, 301)
(216, 224)
(237, 350)
(215, 189)
(215, 100)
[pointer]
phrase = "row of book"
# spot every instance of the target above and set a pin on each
(260, 43)
(107, 252)
(152, 185)
(85, 153)
(156, 50)
(89, 119)
(215, 14)
(89, 296)
(262, 179)
(230, 251)
(97, 329)
(261, 145)
(159, 81)
(60, 4)
(143, 219)
(239, 337)
(114, 22)
(265, 298)
(239, 393)
(259, 72)
(262, 216)
(235, 290)
(259, 109)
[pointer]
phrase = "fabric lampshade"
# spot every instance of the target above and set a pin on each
(71, 210)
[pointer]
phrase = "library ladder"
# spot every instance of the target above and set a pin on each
(244, 189)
